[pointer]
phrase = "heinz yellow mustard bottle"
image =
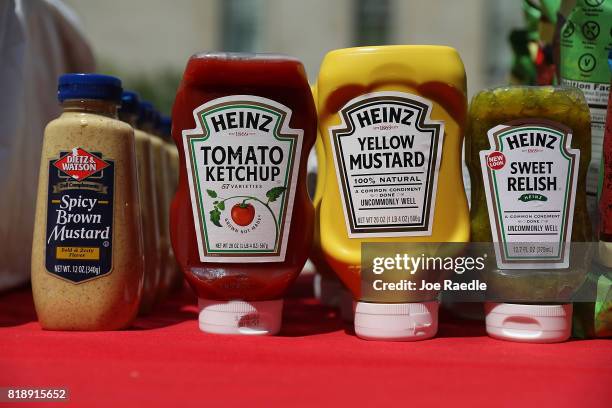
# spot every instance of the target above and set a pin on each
(392, 121)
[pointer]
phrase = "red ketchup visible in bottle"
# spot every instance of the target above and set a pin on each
(241, 221)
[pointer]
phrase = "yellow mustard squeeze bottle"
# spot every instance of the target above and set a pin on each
(87, 253)
(392, 121)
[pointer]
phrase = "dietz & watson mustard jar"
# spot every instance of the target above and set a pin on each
(87, 252)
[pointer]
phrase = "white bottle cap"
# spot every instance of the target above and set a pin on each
(327, 290)
(240, 317)
(396, 321)
(529, 323)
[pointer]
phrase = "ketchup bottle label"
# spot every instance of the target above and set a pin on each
(80, 216)
(387, 155)
(530, 177)
(242, 165)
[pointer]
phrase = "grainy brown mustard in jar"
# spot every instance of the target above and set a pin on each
(87, 253)
(128, 113)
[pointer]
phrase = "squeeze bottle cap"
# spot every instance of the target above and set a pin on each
(240, 317)
(529, 323)
(396, 321)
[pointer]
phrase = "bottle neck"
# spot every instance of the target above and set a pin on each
(148, 127)
(130, 118)
(97, 106)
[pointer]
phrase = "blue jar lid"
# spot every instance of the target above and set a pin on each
(89, 86)
(130, 103)
(145, 113)
(166, 125)
(156, 120)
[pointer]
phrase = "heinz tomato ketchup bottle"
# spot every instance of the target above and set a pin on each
(241, 220)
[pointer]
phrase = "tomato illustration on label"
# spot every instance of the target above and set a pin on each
(243, 214)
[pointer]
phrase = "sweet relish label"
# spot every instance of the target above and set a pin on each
(80, 216)
(387, 159)
(242, 165)
(530, 177)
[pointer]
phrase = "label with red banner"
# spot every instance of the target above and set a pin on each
(80, 164)
(80, 216)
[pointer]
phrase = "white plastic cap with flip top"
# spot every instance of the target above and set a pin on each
(240, 317)
(396, 321)
(529, 323)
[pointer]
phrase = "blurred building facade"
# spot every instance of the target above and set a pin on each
(136, 38)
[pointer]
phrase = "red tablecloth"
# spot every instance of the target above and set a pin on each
(165, 361)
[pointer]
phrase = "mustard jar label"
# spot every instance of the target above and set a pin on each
(242, 164)
(79, 236)
(530, 177)
(387, 154)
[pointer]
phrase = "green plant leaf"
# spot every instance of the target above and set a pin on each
(221, 205)
(274, 193)
(215, 216)
(212, 193)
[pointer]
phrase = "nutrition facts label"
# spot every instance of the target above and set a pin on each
(584, 44)
(596, 95)
(387, 156)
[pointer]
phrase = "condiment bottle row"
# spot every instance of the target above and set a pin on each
(388, 126)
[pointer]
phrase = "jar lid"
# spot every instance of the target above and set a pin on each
(157, 120)
(145, 113)
(130, 103)
(89, 86)
(166, 126)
